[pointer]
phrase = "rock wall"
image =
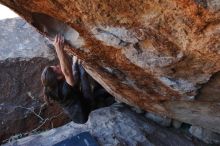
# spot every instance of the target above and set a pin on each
(152, 54)
(20, 40)
(23, 55)
(116, 126)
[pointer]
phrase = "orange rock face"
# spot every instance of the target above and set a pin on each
(154, 54)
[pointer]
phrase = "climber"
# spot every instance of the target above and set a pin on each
(70, 86)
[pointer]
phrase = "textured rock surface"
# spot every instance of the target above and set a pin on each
(163, 121)
(19, 39)
(205, 135)
(21, 110)
(151, 54)
(177, 124)
(112, 126)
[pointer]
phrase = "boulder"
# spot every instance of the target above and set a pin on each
(20, 40)
(205, 135)
(114, 125)
(176, 124)
(155, 55)
(163, 121)
(23, 55)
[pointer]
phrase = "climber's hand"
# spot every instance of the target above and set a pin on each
(59, 42)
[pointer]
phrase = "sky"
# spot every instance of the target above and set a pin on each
(6, 13)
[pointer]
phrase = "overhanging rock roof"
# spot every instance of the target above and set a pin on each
(151, 54)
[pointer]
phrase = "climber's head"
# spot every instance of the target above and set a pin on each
(49, 78)
(58, 71)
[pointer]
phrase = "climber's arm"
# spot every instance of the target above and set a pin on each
(63, 59)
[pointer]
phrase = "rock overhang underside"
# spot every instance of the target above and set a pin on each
(160, 56)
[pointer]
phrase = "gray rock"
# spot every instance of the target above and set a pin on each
(205, 135)
(176, 124)
(111, 126)
(137, 110)
(142, 52)
(19, 39)
(214, 5)
(163, 121)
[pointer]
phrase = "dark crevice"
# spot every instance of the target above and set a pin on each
(137, 47)
(210, 91)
